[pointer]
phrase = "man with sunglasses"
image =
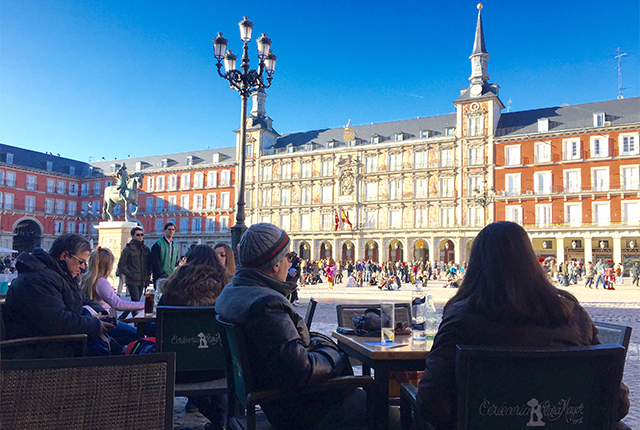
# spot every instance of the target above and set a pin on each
(46, 300)
(135, 266)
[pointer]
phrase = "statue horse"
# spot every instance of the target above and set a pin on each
(112, 197)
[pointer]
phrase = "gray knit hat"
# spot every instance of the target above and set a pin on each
(262, 246)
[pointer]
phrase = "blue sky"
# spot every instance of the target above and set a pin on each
(92, 79)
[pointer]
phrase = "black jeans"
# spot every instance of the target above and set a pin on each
(135, 291)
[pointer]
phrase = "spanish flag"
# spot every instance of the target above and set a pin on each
(345, 218)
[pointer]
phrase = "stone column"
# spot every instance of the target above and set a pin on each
(617, 249)
(457, 252)
(560, 249)
(587, 244)
(358, 252)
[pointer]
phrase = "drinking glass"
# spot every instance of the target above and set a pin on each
(387, 322)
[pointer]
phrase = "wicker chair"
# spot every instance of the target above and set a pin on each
(123, 392)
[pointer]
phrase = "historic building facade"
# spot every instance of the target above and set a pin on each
(418, 189)
(421, 189)
(43, 196)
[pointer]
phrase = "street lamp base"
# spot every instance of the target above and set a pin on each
(236, 234)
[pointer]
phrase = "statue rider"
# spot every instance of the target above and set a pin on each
(121, 182)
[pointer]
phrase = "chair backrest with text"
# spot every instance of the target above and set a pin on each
(193, 333)
(500, 388)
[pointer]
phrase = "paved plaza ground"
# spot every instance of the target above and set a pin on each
(621, 306)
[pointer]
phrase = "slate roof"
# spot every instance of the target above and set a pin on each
(38, 160)
(386, 130)
(561, 118)
(570, 117)
(175, 160)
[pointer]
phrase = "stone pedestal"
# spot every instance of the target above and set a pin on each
(115, 235)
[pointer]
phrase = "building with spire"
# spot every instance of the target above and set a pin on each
(416, 189)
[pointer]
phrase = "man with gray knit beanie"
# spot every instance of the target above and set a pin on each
(282, 352)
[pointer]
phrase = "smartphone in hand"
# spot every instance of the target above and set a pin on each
(345, 330)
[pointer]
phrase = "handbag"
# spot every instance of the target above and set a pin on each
(369, 323)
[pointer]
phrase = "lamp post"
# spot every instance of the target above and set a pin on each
(484, 197)
(246, 81)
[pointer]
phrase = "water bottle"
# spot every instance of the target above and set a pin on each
(418, 307)
(430, 319)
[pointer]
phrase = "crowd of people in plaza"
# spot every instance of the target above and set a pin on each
(603, 272)
(389, 275)
(7, 265)
(505, 297)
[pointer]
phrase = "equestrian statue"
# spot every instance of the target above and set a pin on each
(123, 193)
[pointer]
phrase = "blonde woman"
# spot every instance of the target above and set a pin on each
(97, 288)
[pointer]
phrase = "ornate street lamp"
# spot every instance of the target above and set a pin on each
(484, 197)
(246, 82)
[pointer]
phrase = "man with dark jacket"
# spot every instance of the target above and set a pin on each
(164, 255)
(134, 265)
(282, 353)
(46, 300)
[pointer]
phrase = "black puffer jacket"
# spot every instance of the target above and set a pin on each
(462, 326)
(283, 354)
(45, 300)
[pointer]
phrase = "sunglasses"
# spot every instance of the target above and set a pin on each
(82, 262)
(140, 234)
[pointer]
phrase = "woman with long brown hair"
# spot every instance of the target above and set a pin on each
(505, 299)
(226, 257)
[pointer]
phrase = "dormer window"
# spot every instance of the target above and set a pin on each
(289, 148)
(216, 158)
(72, 170)
(112, 168)
(543, 125)
(190, 160)
(138, 166)
(449, 131)
(164, 163)
(375, 139)
(425, 134)
(598, 119)
(49, 166)
(309, 146)
(399, 137)
(330, 144)
(9, 158)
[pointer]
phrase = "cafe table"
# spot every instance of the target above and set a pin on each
(410, 356)
(140, 321)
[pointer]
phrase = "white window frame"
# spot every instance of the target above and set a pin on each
(197, 202)
(184, 202)
(544, 188)
(285, 196)
(49, 206)
(447, 158)
(210, 225)
(513, 213)
(572, 181)
(543, 152)
(395, 218)
(573, 214)
(225, 201)
(196, 225)
(285, 222)
(172, 182)
(51, 186)
(31, 183)
(371, 164)
(601, 213)
(212, 179)
(198, 180)
(305, 222)
(327, 168)
(212, 201)
(544, 215)
(395, 189)
(305, 195)
(629, 144)
(185, 181)
(421, 188)
(475, 125)
(599, 146)
(600, 184)
(447, 217)
(630, 177)
(370, 219)
(29, 203)
(371, 190)
(476, 156)
(150, 185)
(225, 178)
(572, 149)
(421, 159)
(160, 183)
(265, 197)
(512, 184)
(306, 169)
(395, 161)
(628, 217)
(512, 155)
(327, 194)
(285, 171)
(446, 187)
